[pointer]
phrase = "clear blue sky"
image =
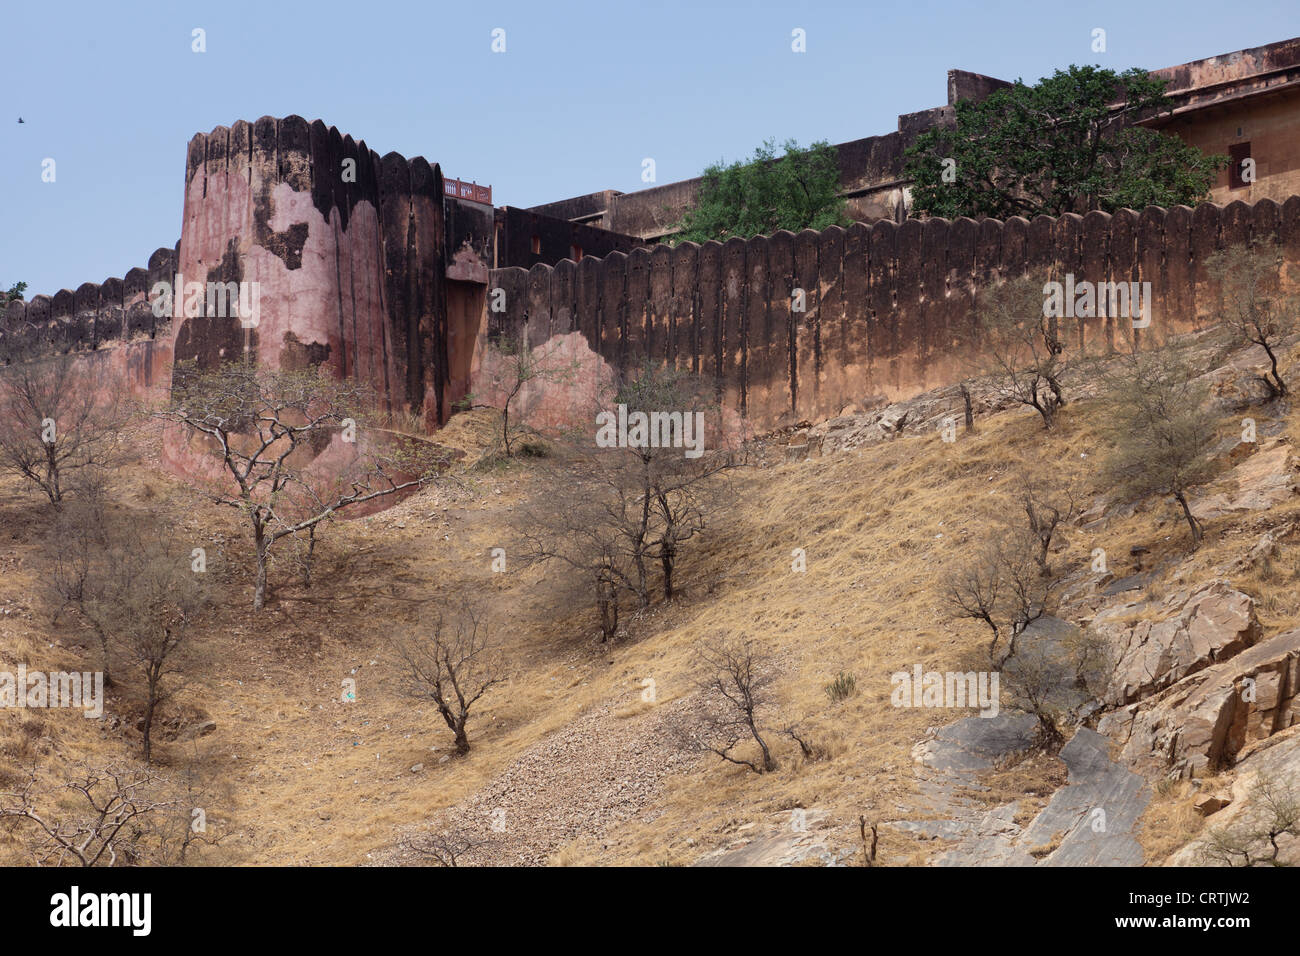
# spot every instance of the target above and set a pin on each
(112, 91)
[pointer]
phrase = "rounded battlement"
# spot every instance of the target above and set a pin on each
(308, 157)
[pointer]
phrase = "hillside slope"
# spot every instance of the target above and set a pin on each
(569, 760)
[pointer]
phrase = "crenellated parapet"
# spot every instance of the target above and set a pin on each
(92, 317)
(793, 327)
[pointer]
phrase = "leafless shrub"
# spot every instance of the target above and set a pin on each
(444, 849)
(150, 609)
(1048, 668)
(620, 514)
(57, 422)
(1158, 428)
(1255, 308)
(736, 692)
(516, 371)
(105, 827)
(1018, 349)
(1047, 506)
(79, 563)
(1056, 677)
(1255, 842)
(189, 830)
(453, 664)
(1002, 586)
(132, 582)
(810, 749)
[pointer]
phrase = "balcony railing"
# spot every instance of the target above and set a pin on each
(470, 192)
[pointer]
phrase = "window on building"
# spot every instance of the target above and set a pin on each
(537, 245)
(575, 253)
(1238, 153)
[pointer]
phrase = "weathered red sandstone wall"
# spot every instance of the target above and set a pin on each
(366, 293)
(884, 303)
(110, 327)
(346, 249)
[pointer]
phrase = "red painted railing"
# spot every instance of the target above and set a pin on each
(471, 192)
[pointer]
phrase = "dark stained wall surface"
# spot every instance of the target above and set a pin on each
(523, 230)
(885, 305)
(91, 317)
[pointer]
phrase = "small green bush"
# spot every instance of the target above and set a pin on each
(842, 687)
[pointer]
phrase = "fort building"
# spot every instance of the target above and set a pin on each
(380, 268)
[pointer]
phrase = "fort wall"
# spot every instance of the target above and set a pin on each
(110, 326)
(884, 305)
(352, 255)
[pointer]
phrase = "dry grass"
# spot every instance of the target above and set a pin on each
(1170, 821)
(321, 781)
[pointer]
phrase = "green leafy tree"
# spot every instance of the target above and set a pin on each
(16, 291)
(1065, 144)
(797, 190)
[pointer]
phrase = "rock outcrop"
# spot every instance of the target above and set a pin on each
(1203, 721)
(1265, 479)
(1092, 821)
(1186, 632)
(1246, 814)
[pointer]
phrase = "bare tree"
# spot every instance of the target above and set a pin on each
(682, 486)
(515, 372)
(1158, 427)
(624, 511)
(1255, 308)
(444, 849)
(150, 607)
(453, 666)
(735, 691)
(1002, 586)
(1018, 349)
(186, 831)
(686, 494)
(579, 524)
(1056, 677)
(1051, 669)
(1254, 841)
(261, 424)
(79, 563)
(1046, 505)
(56, 422)
(105, 830)
(131, 581)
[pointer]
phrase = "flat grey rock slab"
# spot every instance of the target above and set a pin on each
(973, 743)
(1098, 811)
(1091, 821)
